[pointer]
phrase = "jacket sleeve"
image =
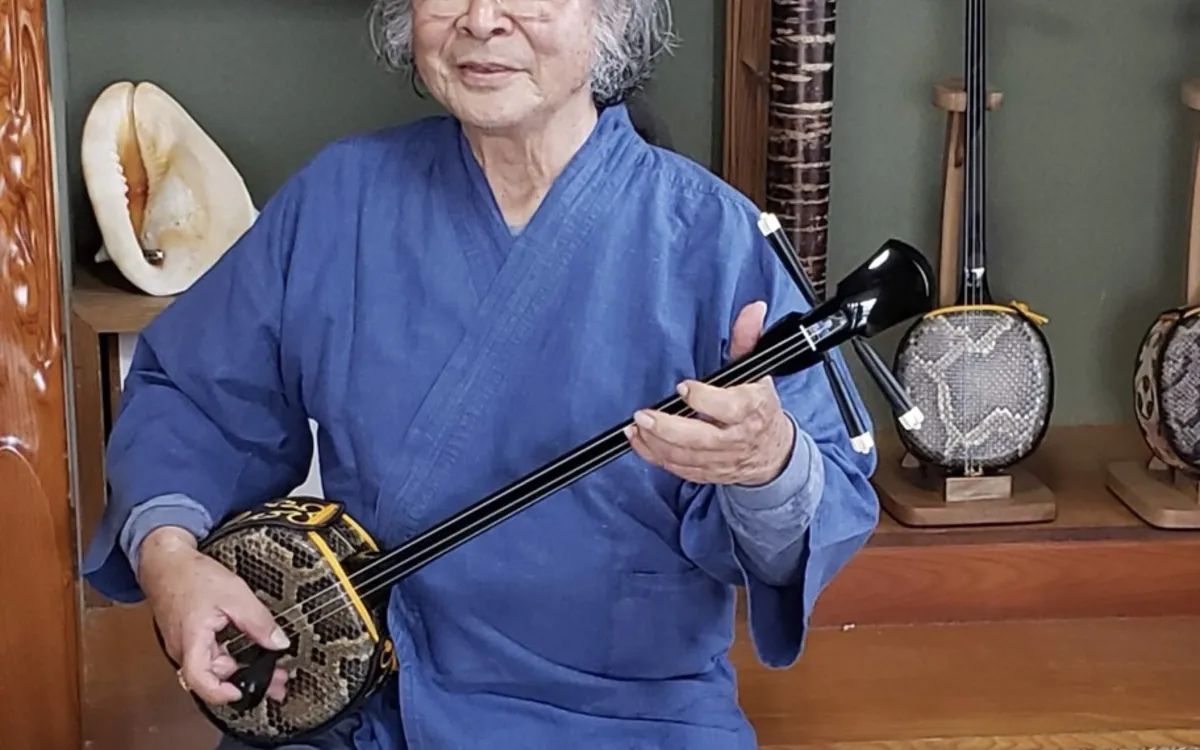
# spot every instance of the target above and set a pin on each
(768, 521)
(209, 411)
(845, 508)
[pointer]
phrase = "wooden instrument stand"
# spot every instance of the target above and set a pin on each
(1160, 495)
(911, 493)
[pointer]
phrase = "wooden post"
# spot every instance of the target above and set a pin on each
(744, 121)
(951, 96)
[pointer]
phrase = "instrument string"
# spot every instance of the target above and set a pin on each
(976, 105)
(969, 224)
(748, 370)
(980, 124)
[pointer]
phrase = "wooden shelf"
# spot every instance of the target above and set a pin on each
(109, 304)
(1096, 559)
(1071, 462)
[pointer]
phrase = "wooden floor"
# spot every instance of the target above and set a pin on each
(1076, 634)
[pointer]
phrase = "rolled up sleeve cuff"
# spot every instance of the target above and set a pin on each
(164, 510)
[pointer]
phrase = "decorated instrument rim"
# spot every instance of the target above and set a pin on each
(1167, 388)
(337, 655)
(983, 376)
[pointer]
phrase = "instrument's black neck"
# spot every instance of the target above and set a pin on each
(786, 346)
(973, 286)
(892, 285)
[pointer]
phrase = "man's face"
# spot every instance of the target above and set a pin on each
(499, 64)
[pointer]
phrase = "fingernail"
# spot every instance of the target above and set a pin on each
(279, 639)
(643, 419)
(628, 431)
(682, 389)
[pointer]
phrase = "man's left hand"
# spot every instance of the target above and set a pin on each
(746, 438)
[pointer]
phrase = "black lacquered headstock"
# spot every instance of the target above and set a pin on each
(894, 284)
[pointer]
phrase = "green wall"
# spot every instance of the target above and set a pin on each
(1088, 166)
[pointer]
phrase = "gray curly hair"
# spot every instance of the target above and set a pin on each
(630, 36)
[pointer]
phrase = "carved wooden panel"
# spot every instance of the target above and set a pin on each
(39, 702)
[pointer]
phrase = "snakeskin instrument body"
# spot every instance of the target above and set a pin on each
(298, 556)
(983, 376)
(1167, 388)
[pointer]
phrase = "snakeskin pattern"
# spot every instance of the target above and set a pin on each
(984, 380)
(333, 659)
(1167, 389)
(1145, 388)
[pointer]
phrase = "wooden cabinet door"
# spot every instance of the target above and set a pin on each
(39, 694)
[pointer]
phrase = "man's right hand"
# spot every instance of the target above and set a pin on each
(193, 597)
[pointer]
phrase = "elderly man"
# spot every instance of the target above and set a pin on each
(456, 301)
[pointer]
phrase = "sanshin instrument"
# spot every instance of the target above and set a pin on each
(799, 152)
(1166, 383)
(980, 372)
(908, 416)
(326, 581)
(1167, 388)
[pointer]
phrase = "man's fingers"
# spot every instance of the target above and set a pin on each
(726, 405)
(173, 645)
(680, 435)
(747, 328)
(253, 618)
(669, 456)
(224, 666)
(637, 441)
(199, 646)
(277, 690)
(698, 473)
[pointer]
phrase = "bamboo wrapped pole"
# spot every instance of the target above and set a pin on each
(800, 122)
